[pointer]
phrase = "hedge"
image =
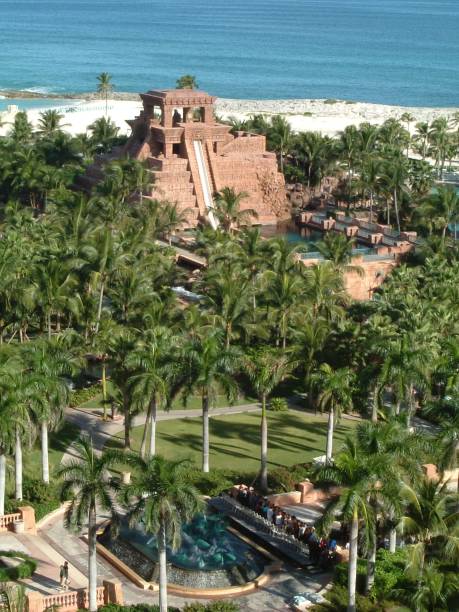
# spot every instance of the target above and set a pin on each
(25, 569)
(214, 606)
(81, 396)
(389, 573)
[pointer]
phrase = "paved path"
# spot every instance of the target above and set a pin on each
(100, 430)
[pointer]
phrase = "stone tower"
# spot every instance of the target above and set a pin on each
(192, 157)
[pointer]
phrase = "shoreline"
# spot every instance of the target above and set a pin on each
(328, 117)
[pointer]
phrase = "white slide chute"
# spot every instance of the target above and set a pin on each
(205, 183)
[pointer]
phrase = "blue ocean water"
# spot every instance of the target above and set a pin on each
(386, 51)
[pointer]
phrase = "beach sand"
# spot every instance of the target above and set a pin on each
(328, 117)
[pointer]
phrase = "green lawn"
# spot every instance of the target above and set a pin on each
(58, 443)
(193, 402)
(294, 437)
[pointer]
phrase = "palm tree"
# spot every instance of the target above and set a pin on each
(442, 208)
(448, 437)
(357, 475)
(338, 248)
(7, 441)
(104, 134)
(162, 497)
(104, 87)
(280, 137)
(432, 520)
(209, 367)
(266, 369)
(89, 486)
(334, 395)
(153, 358)
(187, 81)
(49, 123)
(369, 179)
(50, 361)
(394, 178)
(228, 209)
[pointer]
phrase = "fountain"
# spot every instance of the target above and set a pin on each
(211, 555)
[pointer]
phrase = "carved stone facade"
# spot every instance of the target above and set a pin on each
(165, 135)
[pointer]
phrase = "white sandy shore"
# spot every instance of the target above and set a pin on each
(303, 115)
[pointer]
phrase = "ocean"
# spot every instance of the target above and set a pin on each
(403, 52)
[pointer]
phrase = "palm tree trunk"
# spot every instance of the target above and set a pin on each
(44, 452)
(392, 535)
(374, 411)
(18, 465)
(264, 446)
(99, 308)
(143, 444)
(127, 424)
(104, 388)
(331, 423)
(162, 568)
(353, 550)
(371, 207)
(371, 566)
(397, 217)
(49, 324)
(92, 559)
(205, 433)
(2, 481)
(153, 411)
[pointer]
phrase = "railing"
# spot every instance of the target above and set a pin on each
(9, 519)
(276, 537)
(72, 600)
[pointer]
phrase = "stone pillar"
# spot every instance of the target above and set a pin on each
(35, 601)
(168, 149)
(167, 116)
(208, 114)
(28, 516)
(113, 592)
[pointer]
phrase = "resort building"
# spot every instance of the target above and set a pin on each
(192, 157)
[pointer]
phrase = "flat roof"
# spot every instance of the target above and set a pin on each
(179, 97)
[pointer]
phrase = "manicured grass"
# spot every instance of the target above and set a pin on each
(193, 402)
(294, 437)
(58, 443)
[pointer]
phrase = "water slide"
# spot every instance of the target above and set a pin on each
(205, 183)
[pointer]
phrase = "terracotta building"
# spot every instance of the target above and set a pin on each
(192, 157)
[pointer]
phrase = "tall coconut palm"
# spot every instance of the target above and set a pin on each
(228, 209)
(7, 441)
(280, 137)
(369, 179)
(89, 485)
(394, 178)
(266, 369)
(153, 358)
(49, 363)
(357, 475)
(334, 389)
(105, 87)
(431, 519)
(208, 367)
(162, 497)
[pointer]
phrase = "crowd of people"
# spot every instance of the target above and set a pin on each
(322, 551)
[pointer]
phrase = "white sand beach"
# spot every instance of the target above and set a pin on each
(328, 117)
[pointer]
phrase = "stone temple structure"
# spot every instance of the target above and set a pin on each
(192, 157)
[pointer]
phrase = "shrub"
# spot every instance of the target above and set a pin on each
(24, 569)
(307, 114)
(80, 396)
(214, 606)
(330, 101)
(278, 404)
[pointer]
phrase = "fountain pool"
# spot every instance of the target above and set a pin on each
(211, 554)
